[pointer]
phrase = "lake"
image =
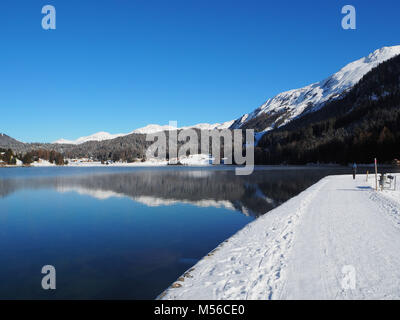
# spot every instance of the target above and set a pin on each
(127, 233)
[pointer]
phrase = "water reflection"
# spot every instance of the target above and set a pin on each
(125, 234)
(251, 195)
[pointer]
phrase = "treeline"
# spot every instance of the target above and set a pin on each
(127, 148)
(49, 155)
(131, 148)
(360, 126)
(8, 157)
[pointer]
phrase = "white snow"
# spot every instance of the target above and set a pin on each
(196, 160)
(151, 128)
(99, 136)
(192, 160)
(42, 163)
(304, 248)
(291, 104)
(148, 163)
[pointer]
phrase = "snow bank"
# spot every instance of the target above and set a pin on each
(195, 160)
(304, 249)
(149, 163)
(42, 163)
(192, 160)
(249, 264)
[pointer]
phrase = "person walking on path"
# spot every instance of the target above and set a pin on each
(354, 170)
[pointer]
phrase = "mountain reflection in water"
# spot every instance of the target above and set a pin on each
(251, 195)
(126, 233)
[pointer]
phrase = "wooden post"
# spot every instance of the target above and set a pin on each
(376, 175)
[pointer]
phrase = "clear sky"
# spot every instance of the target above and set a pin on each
(116, 65)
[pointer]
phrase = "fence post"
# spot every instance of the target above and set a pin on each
(376, 176)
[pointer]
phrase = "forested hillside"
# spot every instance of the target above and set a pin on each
(125, 148)
(361, 125)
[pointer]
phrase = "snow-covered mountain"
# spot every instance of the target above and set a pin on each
(288, 105)
(99, 136)
(151, 128)
(282, 108)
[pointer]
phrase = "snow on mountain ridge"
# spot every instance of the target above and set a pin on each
(290, 104)
(99, 136)
(285, 106)
(151, 128)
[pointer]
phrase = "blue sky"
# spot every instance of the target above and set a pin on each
(118, 65)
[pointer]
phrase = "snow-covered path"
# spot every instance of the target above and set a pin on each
(336, 234)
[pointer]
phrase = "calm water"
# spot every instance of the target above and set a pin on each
(126, 232)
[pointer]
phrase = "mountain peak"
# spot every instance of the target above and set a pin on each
(382, 54)
(288, 105)
(99, 136)
(150, 128)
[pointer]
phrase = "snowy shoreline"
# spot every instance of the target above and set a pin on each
(192, 160)
(300, 249)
